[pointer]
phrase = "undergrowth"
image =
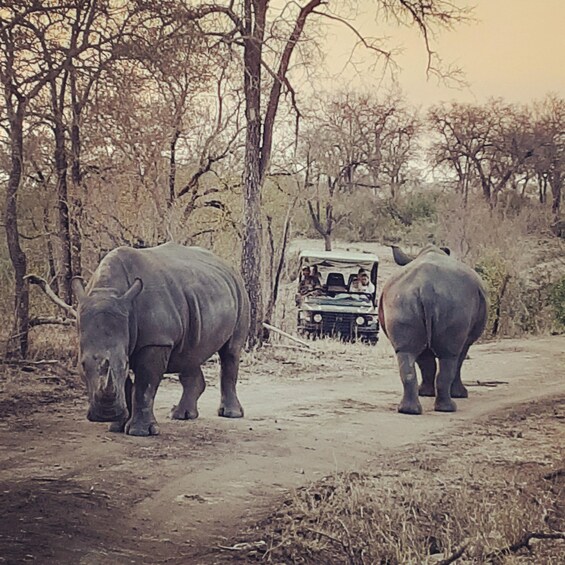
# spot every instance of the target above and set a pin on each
(431, 504)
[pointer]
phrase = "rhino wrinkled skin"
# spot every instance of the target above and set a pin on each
(435, 308)
(165, 309)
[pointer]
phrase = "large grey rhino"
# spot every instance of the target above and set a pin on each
(156, 310)
(434, 308)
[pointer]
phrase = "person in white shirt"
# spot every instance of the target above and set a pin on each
(365, 285)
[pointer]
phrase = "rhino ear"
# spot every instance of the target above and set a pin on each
(400, 257)
(446, 250)
(78, 288)
(132, 292)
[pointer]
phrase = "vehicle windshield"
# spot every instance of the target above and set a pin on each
(325, 281)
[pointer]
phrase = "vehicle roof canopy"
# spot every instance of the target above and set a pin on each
(338, 259)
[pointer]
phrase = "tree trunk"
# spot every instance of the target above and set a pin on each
(276, 279)
(173, 167)
(50, 254)
(61, 165)
(77, 186)
(556, 182)
(328, 241)
(255, 13)
(18, 342)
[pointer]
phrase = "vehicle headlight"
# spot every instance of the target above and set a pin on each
(317, 318)
(359, 320)
(304, 316)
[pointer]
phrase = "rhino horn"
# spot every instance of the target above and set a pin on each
(400, 257)
(131, 293)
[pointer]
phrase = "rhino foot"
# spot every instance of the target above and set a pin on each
(117, 427)
(459, 392)
(410, 408)
(230, 412)
(426, 390)
(446, 405)
(142, 429)
(180, 413)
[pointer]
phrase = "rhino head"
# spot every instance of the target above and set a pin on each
(104, 339)
(401, 258)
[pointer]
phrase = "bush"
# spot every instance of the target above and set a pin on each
(557, 301)
(494, 272)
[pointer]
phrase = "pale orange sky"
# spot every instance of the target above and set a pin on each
(516, 50)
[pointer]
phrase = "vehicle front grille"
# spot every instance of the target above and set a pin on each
(338, 324)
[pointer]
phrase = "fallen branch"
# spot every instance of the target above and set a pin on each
(524, 542)
(487, 383)
(44, 285)
(291, 347)
(287, 335)
(41, 321)
(27, 362)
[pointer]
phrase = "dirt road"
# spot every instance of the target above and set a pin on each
(71, 492)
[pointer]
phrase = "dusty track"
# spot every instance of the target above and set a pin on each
(71, 492)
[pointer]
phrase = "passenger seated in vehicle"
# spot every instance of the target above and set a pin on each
(315, 274)
(354, 285)
(365, 285)
(309, 285)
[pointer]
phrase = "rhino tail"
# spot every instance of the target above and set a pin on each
(428, 317)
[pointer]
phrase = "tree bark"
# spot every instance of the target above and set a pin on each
(255, 14)
(77, 184)
(556, 183)
(173, 167)
(61, 166)
(18, 342)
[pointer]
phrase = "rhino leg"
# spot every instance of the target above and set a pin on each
(407, 366)
(444, 380)
(427, 363)
(148, 366)
(458, 390)
(193, 385)
(120, 425)
(230, 406)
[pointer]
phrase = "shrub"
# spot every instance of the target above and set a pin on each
(494, 272)
(557, 301)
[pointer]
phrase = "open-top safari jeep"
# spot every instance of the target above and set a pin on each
(335, 306)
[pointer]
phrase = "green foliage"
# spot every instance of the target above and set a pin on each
(421, 206)
(557, 301)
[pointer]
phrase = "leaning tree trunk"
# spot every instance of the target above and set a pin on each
(19, 342)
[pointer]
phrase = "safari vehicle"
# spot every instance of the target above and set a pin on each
(335, 307)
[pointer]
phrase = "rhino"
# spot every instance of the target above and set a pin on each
(433, 309)
(164, 309)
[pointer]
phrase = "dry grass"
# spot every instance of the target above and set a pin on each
(478, 494)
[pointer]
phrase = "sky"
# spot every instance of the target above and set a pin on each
(515, 50)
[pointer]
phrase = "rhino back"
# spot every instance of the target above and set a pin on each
(435, 302)
(191, 300)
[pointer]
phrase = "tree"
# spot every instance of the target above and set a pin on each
(548, 160)
(484, 143)
(269, 37)
(23, 77)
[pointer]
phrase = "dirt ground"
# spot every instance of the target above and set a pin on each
(71, 492)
